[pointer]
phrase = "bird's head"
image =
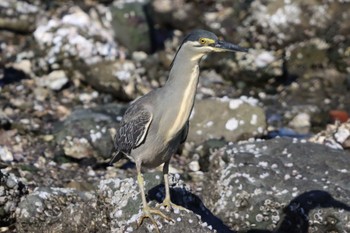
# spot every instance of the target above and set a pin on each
(201, 42)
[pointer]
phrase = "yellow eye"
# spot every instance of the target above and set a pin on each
(202, 41)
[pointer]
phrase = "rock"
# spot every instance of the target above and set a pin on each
(301, 123)
(130, 24)
(336, 136)
(181, 14)
(123, 201)
(115, 207)
(55, 80)
(231, 119)
(19, 16)
(77, 148)
(84, 133)
(23, 65)
(11, 191)
(60, 210)
(5, 154)
(278, 184)
(75, 36)
(5, 121)
(118, 78)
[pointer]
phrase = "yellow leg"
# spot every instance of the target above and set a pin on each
(167, 201)
(147, 211)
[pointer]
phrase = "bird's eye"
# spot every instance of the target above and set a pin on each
(202, 41)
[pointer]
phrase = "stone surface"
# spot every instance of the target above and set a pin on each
(60, 210)
(55, 80)
(11, 191)
(231, 119)
(19, 16)
(75, 36)
(121, 79)
(298, 63)
(85, 132)
(279, 183)
(335, 136)
(115, 207)
(130, 23)
(123, 205)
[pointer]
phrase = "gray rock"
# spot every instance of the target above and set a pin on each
(179, 14)
(280, 184)
(75, 36)
(115, 207)
(231, 119)
(11, 191)
(118, 78)
(88, 128)
(18, 16)
(130, 24)
(122, 199)
(5, 121)
(60, 210)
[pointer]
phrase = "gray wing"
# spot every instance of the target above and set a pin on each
(132, 130)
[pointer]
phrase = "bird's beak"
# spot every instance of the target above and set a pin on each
(222, 46)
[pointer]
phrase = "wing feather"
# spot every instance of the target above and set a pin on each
(133, 129)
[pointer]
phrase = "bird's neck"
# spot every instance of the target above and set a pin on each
(184, 73)
(180, 90)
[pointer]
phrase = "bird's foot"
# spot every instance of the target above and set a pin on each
(147, 213)
(170, 206)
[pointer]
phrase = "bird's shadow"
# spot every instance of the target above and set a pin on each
(184, 198)
(295, 218)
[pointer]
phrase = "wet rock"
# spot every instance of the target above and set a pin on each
(231, 119)
(269, 184)
(84, 133)
(11, 191)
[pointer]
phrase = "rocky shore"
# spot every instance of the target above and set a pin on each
(268, 146)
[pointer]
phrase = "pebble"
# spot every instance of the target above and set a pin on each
(194, 166)
(139, 56)
(56, 80)
(5, 154)
(301, 120)
(23, 65)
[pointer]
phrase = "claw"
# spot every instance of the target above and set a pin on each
(171, 206)
(147, 213)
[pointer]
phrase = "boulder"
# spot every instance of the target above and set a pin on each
(231, 119)
(85, 132)
(114, 207)
(280, 185)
